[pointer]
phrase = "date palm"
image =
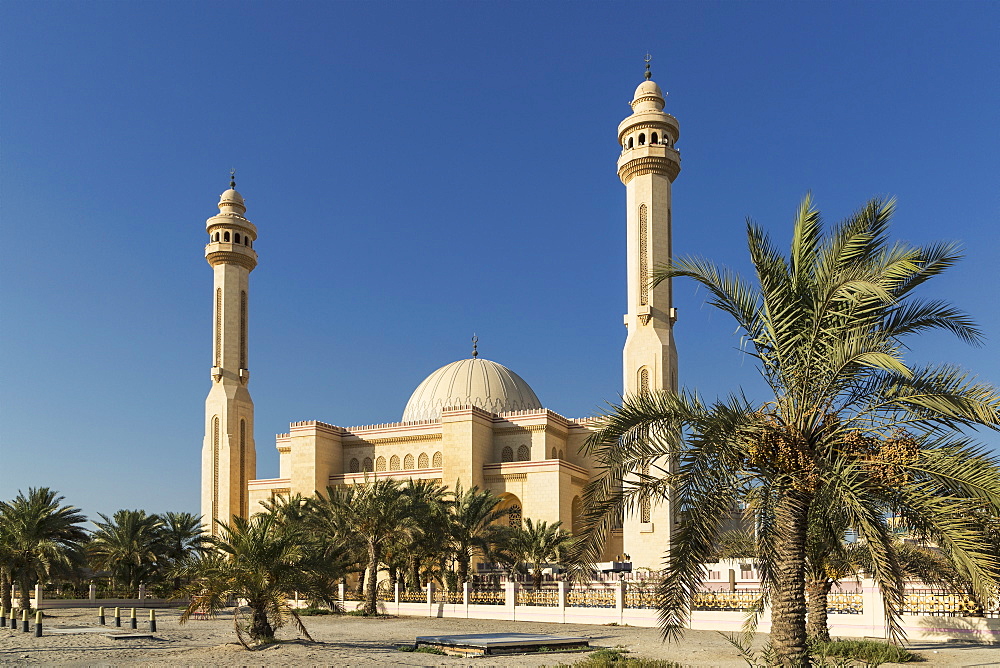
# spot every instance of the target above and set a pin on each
(38, 535)
(538, 543)
(472, 528)
(130, 545)
(263, 561)
(374, 513)
(181, 538)
(849, 420)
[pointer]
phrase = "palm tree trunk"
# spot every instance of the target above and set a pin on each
(817, 626)
(393, 576)
(260, 628)
(24, 583)
(415, 574)
(788, 606)
(5, 588)
(361, 581)
(463, 569)
(371, 596)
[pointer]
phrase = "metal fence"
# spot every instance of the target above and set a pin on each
(591, 597)
(945, 604)
(541, 597)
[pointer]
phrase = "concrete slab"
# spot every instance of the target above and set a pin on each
(480, 644)
(55, 630)
(129, 636)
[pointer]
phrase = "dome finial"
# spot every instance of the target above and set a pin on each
(649, 75)
(475, 340)
(232, 178)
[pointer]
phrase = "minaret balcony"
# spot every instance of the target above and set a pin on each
(223, 252)
(649, 159)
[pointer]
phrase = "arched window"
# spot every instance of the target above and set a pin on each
(643, 255)
(236, 237)
(225, 237)
(523, 453)
(394, 463)
(507, 455)
(380, 464)
(555, 454)
(408, 463)
(243, 329)
(514, 518)
(246, 241)
(355, 465)
(243, 468)
(437, 460)
(642, 138)
(643, 380)
(630, 142)
(215, 471)
(422, 462)
(216, 237)
(367, 465)
(562, 455)
(653, 138)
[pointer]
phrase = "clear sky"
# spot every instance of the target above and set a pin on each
(419, 171)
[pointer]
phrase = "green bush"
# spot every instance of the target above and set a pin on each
(311, 612)
(869, 652)
(616, 658)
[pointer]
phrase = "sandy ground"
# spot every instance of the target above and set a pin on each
(355, 641)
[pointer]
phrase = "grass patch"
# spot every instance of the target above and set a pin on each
(421, 650)
(869, 652)
(362, 613)
(616, 658)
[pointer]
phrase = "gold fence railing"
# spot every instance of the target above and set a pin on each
(542, 597)
(640, 597)
(487, 596)
(412, 597)
(591, 598)
(441, 596)
(944, 604)
(725, 600)
(845, 603)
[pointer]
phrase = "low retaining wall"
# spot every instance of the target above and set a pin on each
(867, 620)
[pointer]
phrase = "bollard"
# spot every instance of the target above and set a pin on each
(152, 621)
(24, 621)
(3, 617)
(132, 621)
(13, 620)
(118, 616)
(38, 623)
(100, 616)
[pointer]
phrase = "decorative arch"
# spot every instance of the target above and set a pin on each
(523, 453)
(654, 139)
(215, 471)
(243, 329)
(512, 504)
(644, 380)
(643, 255)
(437, 461)
(408, 462)
(555, 454)
(367, 464)
(394, 463)
(236, 237)
(218, 327)
(642, 138)
(225, 236)
(562, 454)
(380, 464)
(422, 461)
(507, 454)
(644, 510)
(630, 144)
(243, 467)
(355, 466)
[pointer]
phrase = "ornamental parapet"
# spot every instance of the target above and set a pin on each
(222, 252)
(668, 164)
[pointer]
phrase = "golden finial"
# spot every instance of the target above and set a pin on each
(649, 75)
(475, 341)
(232, 178)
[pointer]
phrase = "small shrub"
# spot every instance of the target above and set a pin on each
(869, 652)
(616, 658)
(311, 612)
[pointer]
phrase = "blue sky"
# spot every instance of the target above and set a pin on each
(422, 171)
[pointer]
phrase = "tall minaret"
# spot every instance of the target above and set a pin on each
(228, 457)
(648, 165)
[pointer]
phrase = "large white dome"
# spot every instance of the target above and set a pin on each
(476, 382)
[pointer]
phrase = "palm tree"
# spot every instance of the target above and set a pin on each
(181, 537)
(263, 561)
(429, 506)
(130, 545)
(472, 527)
(38, 535)
(539, 543)
(849, 419)
(374, 513)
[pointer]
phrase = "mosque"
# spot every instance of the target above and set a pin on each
(473, 421)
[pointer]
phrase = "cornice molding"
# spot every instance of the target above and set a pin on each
(392, 440)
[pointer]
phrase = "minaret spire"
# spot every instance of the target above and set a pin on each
(475, 342)
(232, 175)
(649, 75)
